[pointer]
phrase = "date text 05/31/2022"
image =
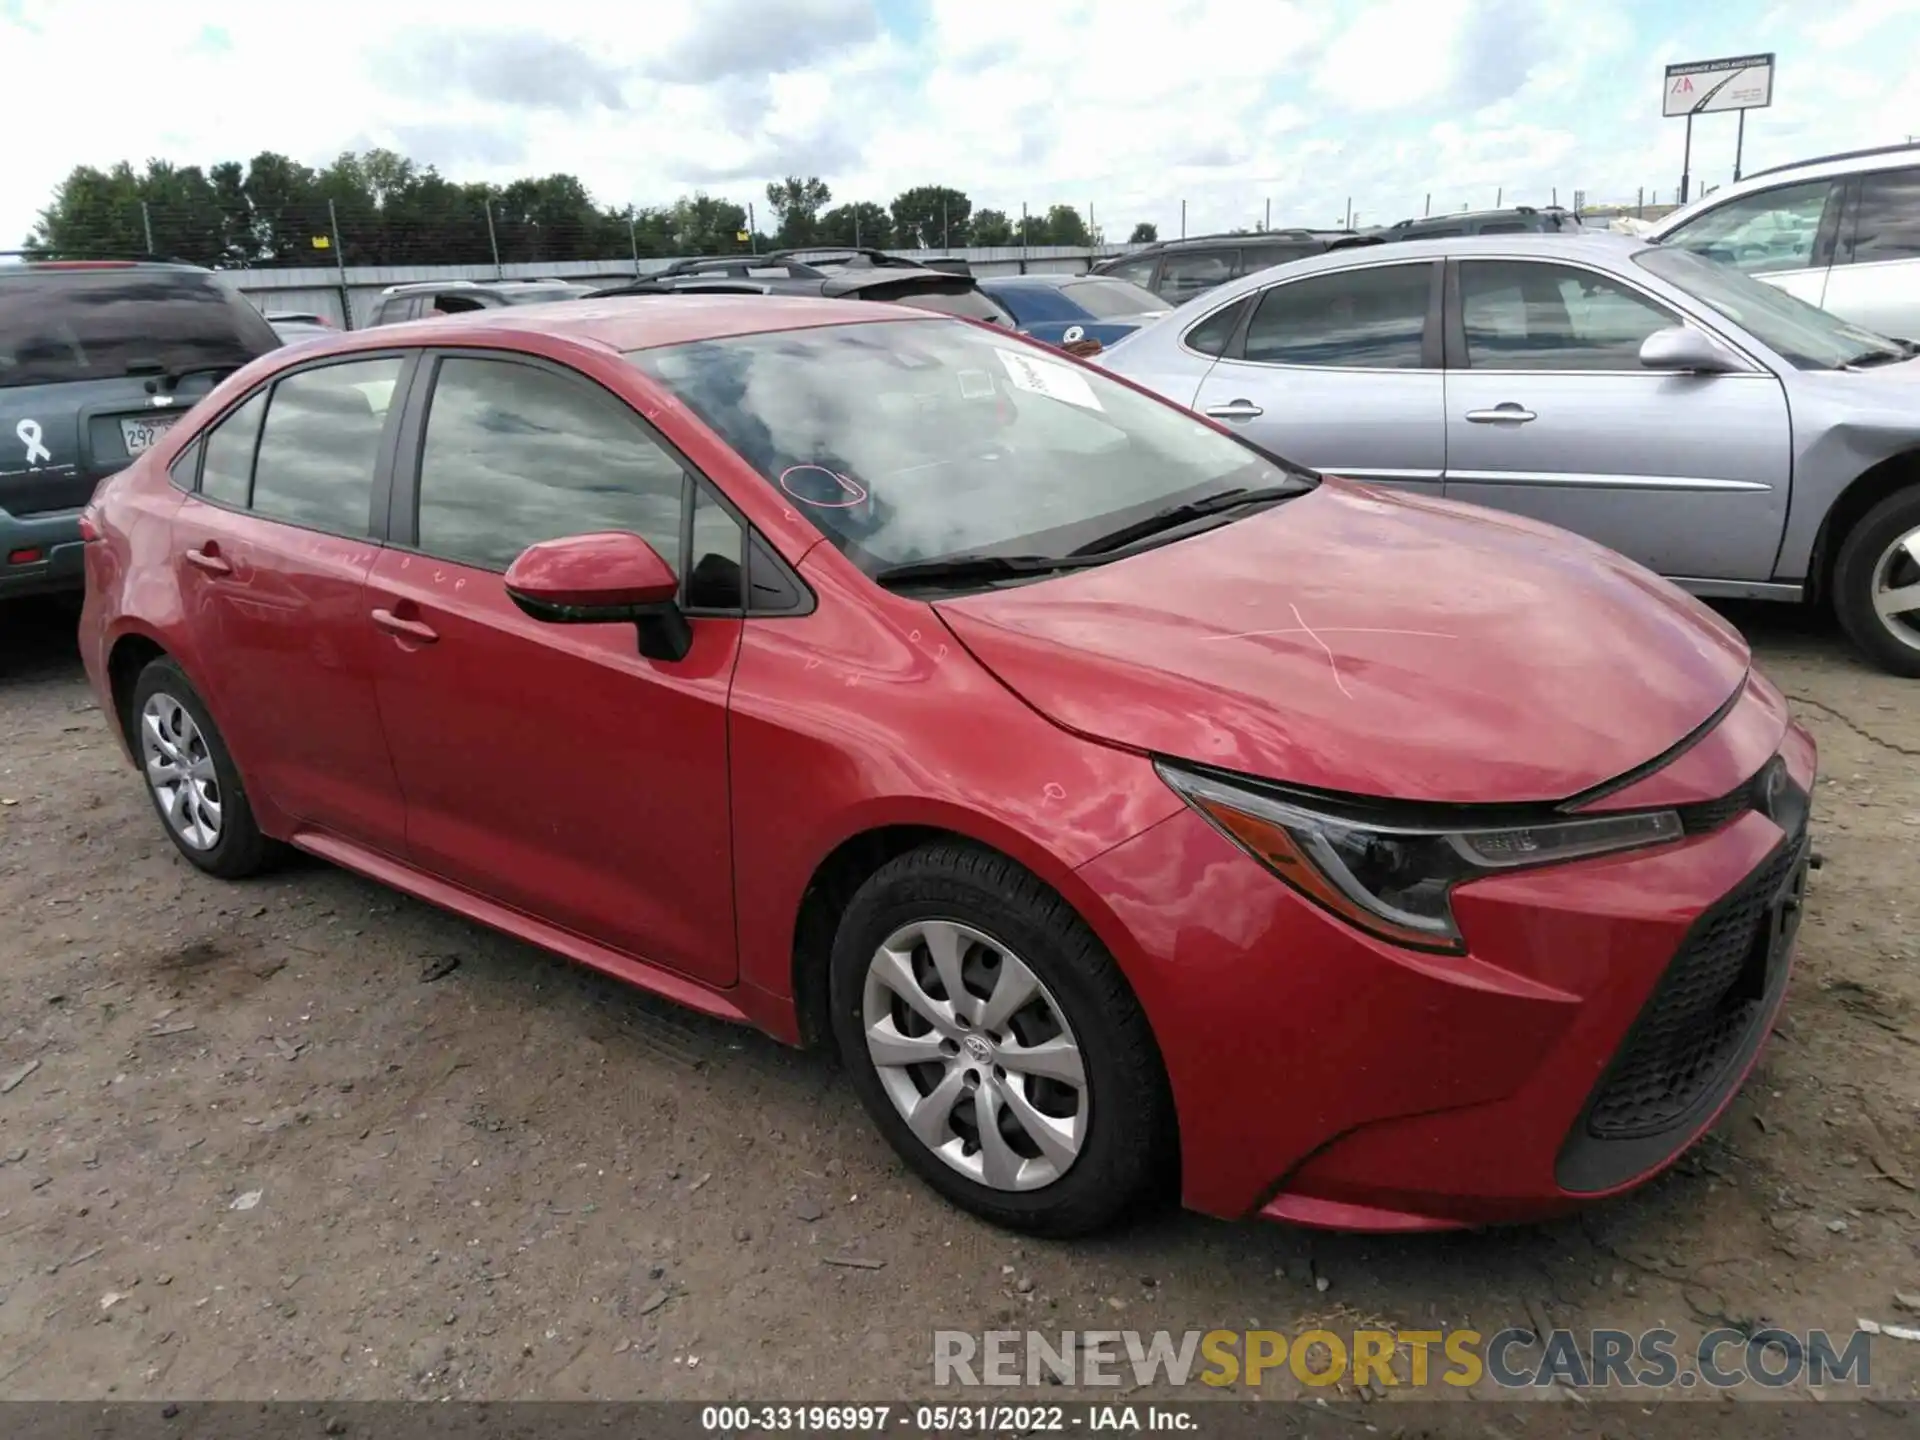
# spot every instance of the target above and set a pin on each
(941, 1419)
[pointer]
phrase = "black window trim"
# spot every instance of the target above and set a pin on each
(402, 528)
(378, 506)
(1455, 348)
(1431, 351)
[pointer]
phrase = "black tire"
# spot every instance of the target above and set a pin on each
(240, 849)
(1128, 1155)
(1853, 582)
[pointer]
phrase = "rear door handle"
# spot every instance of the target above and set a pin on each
(1507, 414)
(1235, 410)
(412, 629)
(209, 560)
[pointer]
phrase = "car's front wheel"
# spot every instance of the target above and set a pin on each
(994, 1042)
(191, 777)
(1876, 583)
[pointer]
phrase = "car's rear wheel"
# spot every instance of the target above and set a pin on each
(994, 1042)
(191, 777)
(1876, 583)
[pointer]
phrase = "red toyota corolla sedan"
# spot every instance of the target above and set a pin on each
(1125, 804)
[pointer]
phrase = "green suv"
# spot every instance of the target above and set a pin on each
(97, 359)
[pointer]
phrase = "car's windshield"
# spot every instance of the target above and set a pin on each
(103, 324)
(910, 441)
(1111, 299)
(1804, 335)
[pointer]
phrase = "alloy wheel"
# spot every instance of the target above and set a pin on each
(180, 770)
(976, 1055)
(1896, 588)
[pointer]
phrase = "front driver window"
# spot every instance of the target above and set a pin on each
(515, 454)
(1767, 231)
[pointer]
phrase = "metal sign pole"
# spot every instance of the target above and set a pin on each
(1739, 144)
(1686, 160)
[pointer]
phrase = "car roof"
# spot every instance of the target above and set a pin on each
(1521, 245)
(1820, 167)
(1048, 281)
(19, 263)
(617, 323)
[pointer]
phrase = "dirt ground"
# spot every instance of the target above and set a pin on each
(268, 1148)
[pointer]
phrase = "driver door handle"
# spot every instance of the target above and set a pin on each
(412, 629)
(1235, 410)
(1507, 414)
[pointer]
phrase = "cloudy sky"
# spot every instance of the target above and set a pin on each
(1130, 106)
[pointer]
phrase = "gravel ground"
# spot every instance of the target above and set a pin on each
(302, 1137)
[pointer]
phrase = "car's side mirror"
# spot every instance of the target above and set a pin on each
(605, 578)
(1683, 348)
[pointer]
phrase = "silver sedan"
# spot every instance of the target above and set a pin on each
(1721, 432)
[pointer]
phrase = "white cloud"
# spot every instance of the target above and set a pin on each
(1231, 105)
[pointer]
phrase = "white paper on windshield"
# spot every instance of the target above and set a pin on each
(1048, 378)
(976, 385)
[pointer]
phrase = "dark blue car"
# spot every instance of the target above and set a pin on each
(1060, 309)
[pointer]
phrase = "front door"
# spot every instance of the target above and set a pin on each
(271, 554)
(1340, 370)
(1551, 415)
(553, 767)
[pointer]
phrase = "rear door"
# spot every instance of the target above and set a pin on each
(1875, 279)
(1187, 273)
(1340, 370)
(271, 554)
(1784, 235)
(1551, 415)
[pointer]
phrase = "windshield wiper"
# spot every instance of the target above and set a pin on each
(1881, 355)
(962, 568)
(1176, 515)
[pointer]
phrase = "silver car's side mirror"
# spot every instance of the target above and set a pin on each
(1683, 348)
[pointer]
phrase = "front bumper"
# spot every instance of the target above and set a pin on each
(1324, 1078)
(58, 566)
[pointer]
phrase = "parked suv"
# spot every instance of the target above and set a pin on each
(853, 274)
(455, 297)
(98, 359)
(1841, 232)
(1178, 270)
(1519, 220)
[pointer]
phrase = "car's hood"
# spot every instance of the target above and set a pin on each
(1373, 643)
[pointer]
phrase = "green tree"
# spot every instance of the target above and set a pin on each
(1065, 227)
(703, 225)
(1145, 233)
(93, 212)
(931, 217)
(991, 227)
(798, 203)
(1033, 230)
(860, 223)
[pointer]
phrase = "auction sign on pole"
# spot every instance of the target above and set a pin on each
(1707, 87)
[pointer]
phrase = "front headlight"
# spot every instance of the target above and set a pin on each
(1396, 881)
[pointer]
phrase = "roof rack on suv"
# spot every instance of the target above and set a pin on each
(1832, 159)
(735, 265)
(57, 255)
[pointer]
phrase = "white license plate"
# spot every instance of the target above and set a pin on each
(143, 434)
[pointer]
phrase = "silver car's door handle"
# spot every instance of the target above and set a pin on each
(1507, 414)
(1235, 410)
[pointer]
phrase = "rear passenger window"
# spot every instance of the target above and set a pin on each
(1370, 319)
(1887, 226)
(515, 454)
(321, 443)
(1213, 334)
(1184, 276)
(185, 468)
(228, 473)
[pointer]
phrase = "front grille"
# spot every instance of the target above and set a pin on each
(1707, 816)
(1700, 1014)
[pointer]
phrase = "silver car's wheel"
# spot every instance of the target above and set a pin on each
(976, 1055)
(1896, 587)
(180, 770)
